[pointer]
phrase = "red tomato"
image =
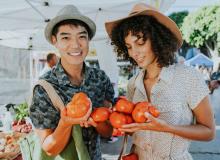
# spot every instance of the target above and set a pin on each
(153, 111)
(124, 106)
(131, 156)
(129, 119)
(117, 119)
(100, 114)
(79, 105)
(138, 112)
(80, 98)
(117, 133)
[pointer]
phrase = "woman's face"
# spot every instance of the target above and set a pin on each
(139, 50)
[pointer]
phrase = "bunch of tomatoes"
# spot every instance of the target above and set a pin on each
(124, 111)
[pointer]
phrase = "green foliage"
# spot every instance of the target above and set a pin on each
(178, 17)
(201, 28)
(21, 111)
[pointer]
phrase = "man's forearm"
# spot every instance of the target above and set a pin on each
(56, 142)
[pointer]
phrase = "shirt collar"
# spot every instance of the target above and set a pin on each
(63, 78)
(166, 75)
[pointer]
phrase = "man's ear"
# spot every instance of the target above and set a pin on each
(53, 39)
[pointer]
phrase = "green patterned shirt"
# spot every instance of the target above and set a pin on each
(96, 85)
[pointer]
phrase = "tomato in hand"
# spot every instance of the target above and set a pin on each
(153, 111)
(138, 112)
(117, 119)
(79, 105)
(129, 119)
(100, 114)
(124, 106)
(117, 133)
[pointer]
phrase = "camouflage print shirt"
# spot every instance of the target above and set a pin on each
(95, 83)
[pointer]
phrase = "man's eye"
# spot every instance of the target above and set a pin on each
(65, 38)
(83, 37)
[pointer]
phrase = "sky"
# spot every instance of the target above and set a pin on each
(190, 5)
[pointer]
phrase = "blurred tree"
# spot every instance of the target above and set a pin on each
(202, 28)
(178, 18)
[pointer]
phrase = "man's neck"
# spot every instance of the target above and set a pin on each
(73, 71)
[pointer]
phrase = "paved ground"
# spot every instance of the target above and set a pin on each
(199, 150)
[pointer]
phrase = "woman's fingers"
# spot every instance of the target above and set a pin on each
(149, 117)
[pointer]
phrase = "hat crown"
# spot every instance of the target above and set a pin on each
(140, 7)
(69, 10)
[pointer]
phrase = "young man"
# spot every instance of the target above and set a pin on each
(70, 32)
(51, 62)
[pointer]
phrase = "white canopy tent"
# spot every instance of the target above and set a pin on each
(23, 22)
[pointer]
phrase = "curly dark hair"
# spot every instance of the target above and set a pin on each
(163, 42)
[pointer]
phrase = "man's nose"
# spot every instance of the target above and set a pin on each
(75, 43)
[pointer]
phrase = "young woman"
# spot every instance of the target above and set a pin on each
(150, 39)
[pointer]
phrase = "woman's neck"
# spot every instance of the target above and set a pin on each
(152, 71)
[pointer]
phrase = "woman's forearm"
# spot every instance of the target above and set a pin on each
(194, 132)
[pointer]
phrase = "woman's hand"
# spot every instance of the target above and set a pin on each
(152, 123)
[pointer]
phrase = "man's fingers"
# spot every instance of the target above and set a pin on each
(86, 124)
(64, 112)
(92, 122)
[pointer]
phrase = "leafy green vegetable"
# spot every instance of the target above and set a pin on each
(21, 111)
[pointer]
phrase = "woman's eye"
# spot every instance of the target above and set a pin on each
(141, 41)
(128, 47)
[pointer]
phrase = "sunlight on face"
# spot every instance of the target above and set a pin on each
(72, 42)
(139, 50)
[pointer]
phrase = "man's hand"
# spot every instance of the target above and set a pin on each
(90, 122)
(69, 121)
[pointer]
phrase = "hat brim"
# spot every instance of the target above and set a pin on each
(58, 19)
(166, 21)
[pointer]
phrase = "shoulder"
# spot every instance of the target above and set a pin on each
(132, 80)
(50, 77)
(186, 70)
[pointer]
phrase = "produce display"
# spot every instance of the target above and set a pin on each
(21, 126)
(9, 148)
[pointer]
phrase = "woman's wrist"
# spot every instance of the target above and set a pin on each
(169, 128)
